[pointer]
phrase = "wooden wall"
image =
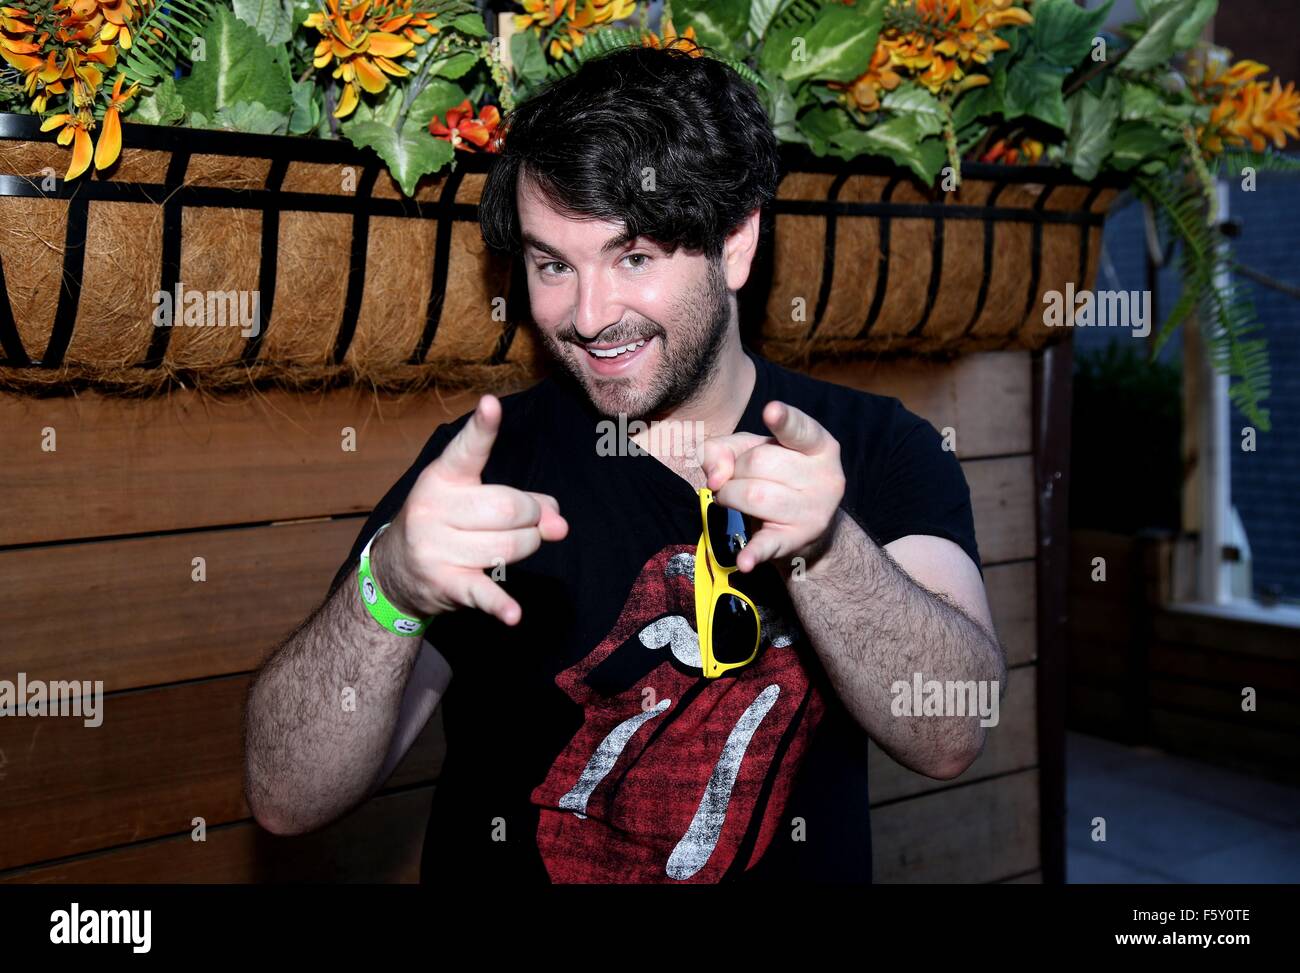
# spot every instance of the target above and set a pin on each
(1145, 672)
(96, 555)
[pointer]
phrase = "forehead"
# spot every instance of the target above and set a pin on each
(545, 227)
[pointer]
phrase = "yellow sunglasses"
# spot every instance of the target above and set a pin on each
(725, 618)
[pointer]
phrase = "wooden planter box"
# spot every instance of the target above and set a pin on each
(358, 284)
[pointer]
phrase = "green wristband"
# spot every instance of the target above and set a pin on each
(380, 608)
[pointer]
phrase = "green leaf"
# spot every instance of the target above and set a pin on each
(306, 108)
(471, 24)
(761, 13)
(409, 155)
(1135, 142)
(899, 140)
(437, 97)
(251, 116)
(825, 123)
(238, 66)
(1092, 124)
(1063, 32)
(1190, 31)
(273, 19)
(1034, 89)
(985, 102)
(458, 64)
(914, 101)
(783, 110)
(162, 106)
(385, 109)
(1166, 20)
(720, 24)
(527, 57)
(836, 46)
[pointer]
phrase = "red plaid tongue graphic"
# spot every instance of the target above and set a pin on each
(664, 778)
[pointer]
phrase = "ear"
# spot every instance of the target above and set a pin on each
(738, 250)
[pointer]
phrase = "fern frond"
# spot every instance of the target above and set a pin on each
(798, 12)
(1234, 160)
(1226, 312)
(163, 39)
(594, 44)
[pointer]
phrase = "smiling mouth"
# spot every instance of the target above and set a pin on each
(608, 353)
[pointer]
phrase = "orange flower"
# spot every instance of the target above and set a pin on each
(109, 145)
(1243, 109)
(568, 25)
(864, 92)
(672, 40)
(465, 131)
(938, 41)
(366, 37)
(76, 129)
(1267, 114)
(1025, 152)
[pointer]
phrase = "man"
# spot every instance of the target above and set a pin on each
(601, 725)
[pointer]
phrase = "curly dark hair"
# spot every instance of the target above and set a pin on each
(585, 140)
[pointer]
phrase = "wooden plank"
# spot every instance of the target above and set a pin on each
(160, 758)
(1275, 709)
(1117, 550)
(125, 466)
(1262, 639)
(150, 622)
(381, 841)
(1011, 745)
(153, 624)
(1211, 665)
(984, 397)
(1011, 592)
(976, 833)
(1002, 498)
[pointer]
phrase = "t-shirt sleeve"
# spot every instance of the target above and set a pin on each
(922, 489)
(391, 503)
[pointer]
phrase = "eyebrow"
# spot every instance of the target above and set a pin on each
(615, 243)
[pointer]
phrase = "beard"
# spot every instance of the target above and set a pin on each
(687, 360)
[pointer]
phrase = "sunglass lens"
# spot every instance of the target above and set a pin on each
(727, 533)
(735, 629)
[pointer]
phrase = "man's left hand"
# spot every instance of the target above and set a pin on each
(791, 481)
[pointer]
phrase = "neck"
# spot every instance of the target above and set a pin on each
(714, 411)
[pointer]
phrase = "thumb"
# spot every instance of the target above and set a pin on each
(465, 456)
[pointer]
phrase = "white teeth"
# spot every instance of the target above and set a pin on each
(615, 352)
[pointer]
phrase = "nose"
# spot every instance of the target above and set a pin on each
(598, 305)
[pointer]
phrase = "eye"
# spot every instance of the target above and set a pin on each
(643, 257)
(544, 268)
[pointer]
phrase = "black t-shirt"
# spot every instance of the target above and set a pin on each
(582, 744)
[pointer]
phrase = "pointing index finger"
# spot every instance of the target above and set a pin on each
(794, 428)
(466, 455)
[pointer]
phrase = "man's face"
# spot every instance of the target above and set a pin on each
(592, 297)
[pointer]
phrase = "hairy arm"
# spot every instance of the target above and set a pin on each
(872, 624)
(312, 750)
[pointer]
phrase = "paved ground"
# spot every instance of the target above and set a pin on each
(1170, 819)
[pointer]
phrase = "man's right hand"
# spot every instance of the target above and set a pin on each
(453, 526)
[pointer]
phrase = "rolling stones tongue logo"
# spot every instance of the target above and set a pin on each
(673, 777)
